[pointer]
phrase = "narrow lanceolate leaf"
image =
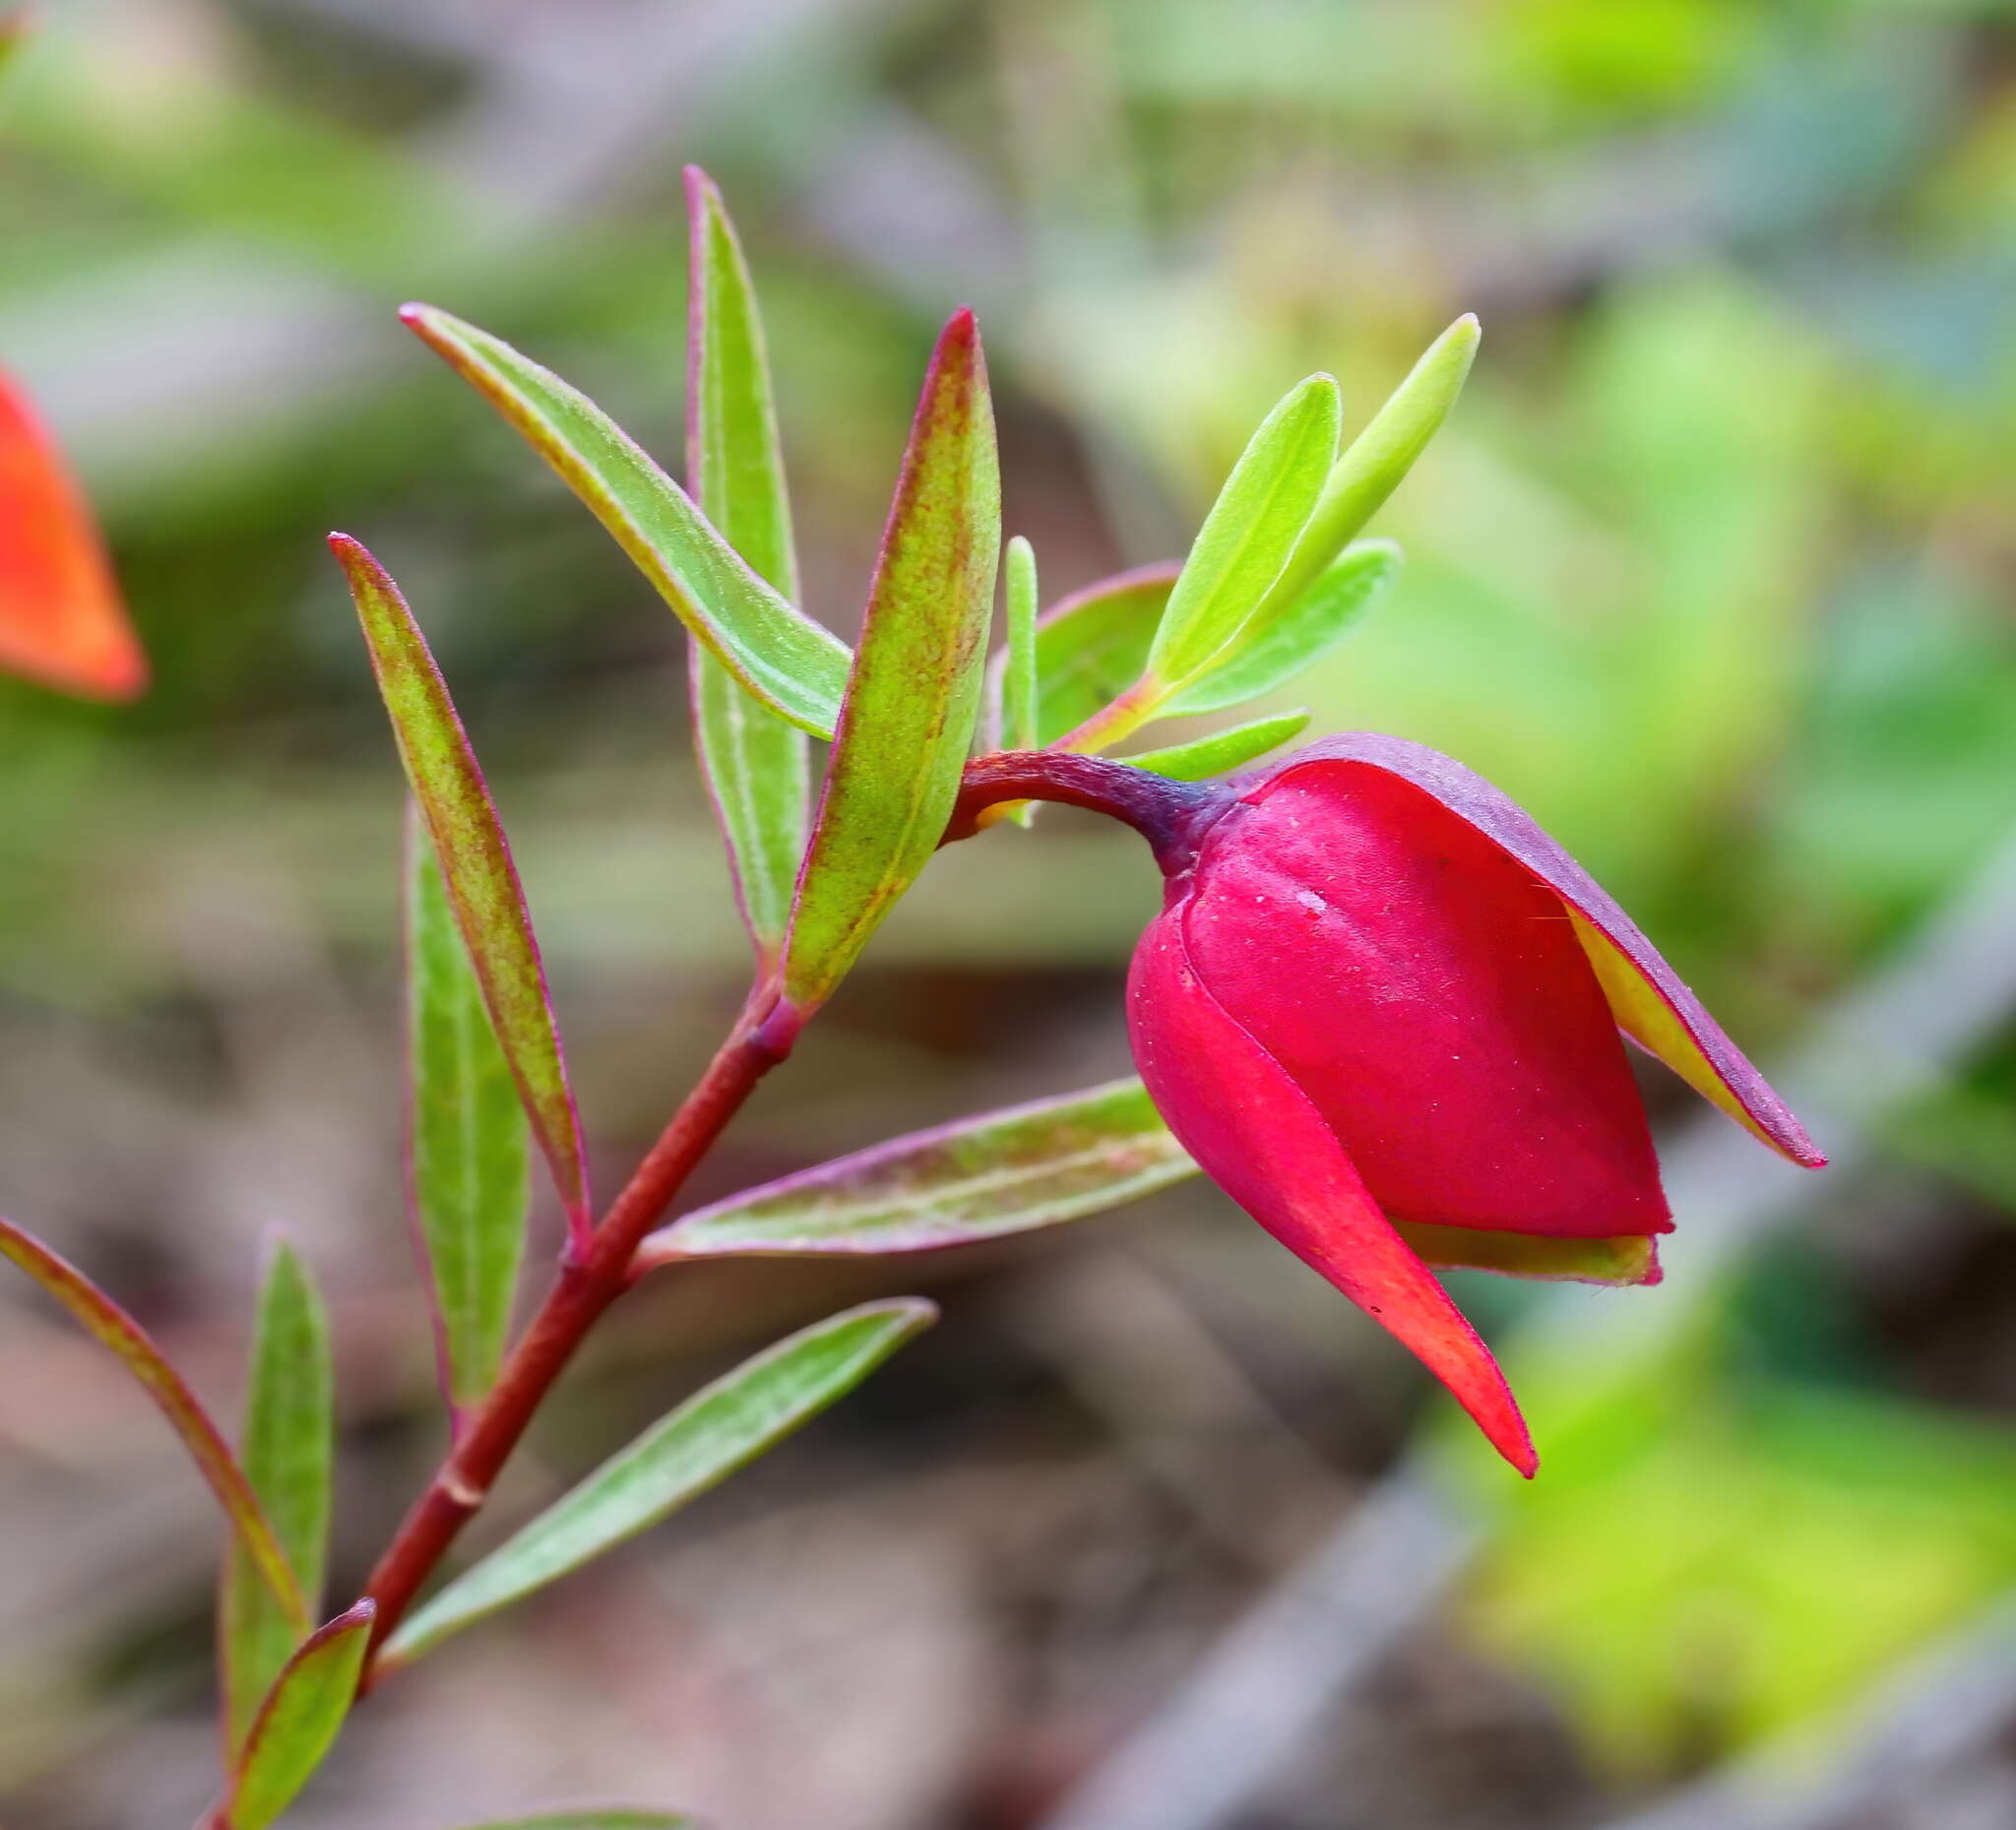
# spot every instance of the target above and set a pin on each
(913, 699)
(1271, 650)
(788, 661)
(1224, 750)
(1374, 462)
(286, 1447)
(1040, 1164)
(467, 1142)
(109, 1325)
(61, 619)
(705, 1439)
(1250, 532)
(475, 864)
(1015, 678)
(754, 761)
(1091, 646)
(298, 1722)
(1019, 677)
(979, 1179)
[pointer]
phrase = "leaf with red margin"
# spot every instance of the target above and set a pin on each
(300, 1721)
(1651, 1003)
(780, 654)
(286, 1445)
(1092, 645)
(913, 698)
(1025, 1168)
(475, 864)
(111, 1327)
(1259, 1138)
(61, 619)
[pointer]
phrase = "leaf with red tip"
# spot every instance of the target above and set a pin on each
(298, 1722)
(754, 761)
(977, 1178)
(913, 699)
(1647, 997)
(475, 864)
(1260, 1139)
(13, 33)
(286, 1445)
(1046, 1164)
(781, 655)
(109, 1325)
(61, 619)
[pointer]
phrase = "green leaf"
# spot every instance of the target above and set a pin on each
(1223, 750)
(286, 1446)
(718, 1431)
(1374, 462)
(1092, 644)
(914, 697)
(467, 1141)
(979, 1179)
(299, 1720)
(1019, 696)
(13, 25)
(1271, 650)
(753, 760)
(112, 1328)
(782, 655)
(1250, 532)
(1030, 1166)
(1015, 685)
(592, 1820)
(476, 863)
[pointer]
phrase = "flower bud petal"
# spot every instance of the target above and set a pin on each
(1647, 999)
(1239, 1112)
(1428, 996)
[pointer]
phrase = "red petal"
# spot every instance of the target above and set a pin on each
(61, 620)
(1430, 998)
(1647, 997)
(1238, 1113)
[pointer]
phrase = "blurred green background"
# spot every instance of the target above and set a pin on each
(1712, 569)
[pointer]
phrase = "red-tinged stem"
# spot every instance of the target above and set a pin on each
(1168, 814)
(586, 1286)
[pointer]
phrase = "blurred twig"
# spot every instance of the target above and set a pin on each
(1282, 1668)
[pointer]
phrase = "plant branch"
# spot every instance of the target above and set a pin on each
(586, 1286)
(1165, 812)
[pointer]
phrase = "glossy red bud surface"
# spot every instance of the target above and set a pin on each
(1377, 991)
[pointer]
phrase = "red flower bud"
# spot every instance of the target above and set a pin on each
(1378, 991)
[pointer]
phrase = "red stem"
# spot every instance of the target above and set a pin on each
(1167, 813)
(585, 1289)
